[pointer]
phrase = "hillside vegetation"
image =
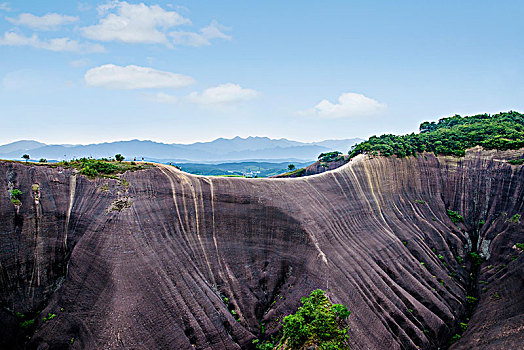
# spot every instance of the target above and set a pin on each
(451, 136)
(100, 167)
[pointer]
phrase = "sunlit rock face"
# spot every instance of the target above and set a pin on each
(168, 260)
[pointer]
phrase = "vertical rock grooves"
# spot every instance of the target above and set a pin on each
(197, 262)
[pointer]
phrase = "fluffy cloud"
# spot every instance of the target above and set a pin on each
(80, 63)
(83, 6)
(57, 44)
(134, 77)
(212, 31)
(50, 21)
(349, 105)
(4, 6)
(161, 97)
(223, 94)
(132, 23)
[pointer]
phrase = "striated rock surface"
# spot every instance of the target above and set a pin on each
(168, 260)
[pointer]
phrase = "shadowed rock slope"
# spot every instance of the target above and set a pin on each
(167, 260)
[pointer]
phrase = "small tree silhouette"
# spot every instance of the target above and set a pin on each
(291, 167)
(26, 157)
(119, 157)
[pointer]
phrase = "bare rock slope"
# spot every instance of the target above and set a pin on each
(167, 260)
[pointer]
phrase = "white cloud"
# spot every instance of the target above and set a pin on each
(57, 44)
(83, 6)
(24, 79)
(50, 21)
(212, 31)
(223, 94)
(132, 23)
(161, 97)
(5, 7)
(350, 105)
(134, 77)
(80, 63)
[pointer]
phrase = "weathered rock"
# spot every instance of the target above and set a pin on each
(199, 262)
(315, 168)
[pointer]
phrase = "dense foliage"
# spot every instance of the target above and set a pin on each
(317, 322)
(16, 195)
(516, 161)
(330, 157)
(455, 216)
(451, 136)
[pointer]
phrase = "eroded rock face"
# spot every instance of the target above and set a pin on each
(197, 262)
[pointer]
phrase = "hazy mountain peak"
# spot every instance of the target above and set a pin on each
(220, 149)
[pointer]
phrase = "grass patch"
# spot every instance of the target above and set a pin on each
(295, 173)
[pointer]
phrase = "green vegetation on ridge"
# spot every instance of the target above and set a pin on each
(103, 167)
(451, 136)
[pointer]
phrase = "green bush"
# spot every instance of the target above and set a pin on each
(318, 322)
(27, 324)
(267, 345)
(471, 300)
(516, 161)
(475, 258)
(330, 157)
(15, 193)
(515, 218)
(454, 339)
(89, 171)
(455, 216)
(15, 196)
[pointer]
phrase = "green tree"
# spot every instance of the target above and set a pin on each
(119, 157)
(26, 157)
(42, 160)
(450, 136)
(317, 324)
(291, 167)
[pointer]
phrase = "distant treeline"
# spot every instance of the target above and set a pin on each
(451, 136)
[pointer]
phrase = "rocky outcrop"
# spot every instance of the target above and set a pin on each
(316, 168)
(168, 260)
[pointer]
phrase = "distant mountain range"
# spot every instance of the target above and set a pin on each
(219, 150)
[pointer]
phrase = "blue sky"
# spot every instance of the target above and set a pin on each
(186, 71)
